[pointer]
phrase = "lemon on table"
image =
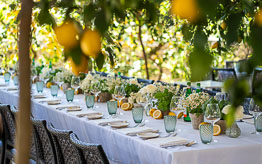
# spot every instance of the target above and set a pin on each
(91, 43)
(157, 114)
(180, 115)
(151, 112)
(171, 114)
(203, 123)
(126, 106)
(67, 34)
(216, 130)
(48, 85)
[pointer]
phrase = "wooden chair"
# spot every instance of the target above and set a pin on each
(222, 74)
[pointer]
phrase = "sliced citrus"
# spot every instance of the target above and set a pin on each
(126, 106)
(180, 115)
(151, 112)
(157, 114)
(216, 130)
(171, 114)
(48, 85)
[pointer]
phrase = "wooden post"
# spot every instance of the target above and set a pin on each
(24, 125)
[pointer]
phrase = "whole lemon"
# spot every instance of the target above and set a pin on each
(67, 34)
(82, 67)
(91, 43)
(185, 9)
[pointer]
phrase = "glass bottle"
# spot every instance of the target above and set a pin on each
(50, 65)
(188, 92)
(119, 75)
(198, 89)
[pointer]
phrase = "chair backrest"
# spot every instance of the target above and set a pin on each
(257, 79)
(93, 153)
(222, 74)
(145, 81)
(8, 124)
(66, 152)
(45, 147)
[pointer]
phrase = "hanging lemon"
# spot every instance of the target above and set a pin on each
(82, 67)
(67, 34)
(215, 45)
(223, 25)
(259, 18)
(91, 43)
(185, 9)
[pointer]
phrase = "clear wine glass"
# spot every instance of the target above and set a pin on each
(119, 94)
(176, 107)
(212, 114)
(96, 89)
(75, 82)
(256, 111)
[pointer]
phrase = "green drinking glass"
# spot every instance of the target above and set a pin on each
(206, 133)
(112, 107)
(70, 93)
(258, 122)
(16, 81)
(90, 101)
(138, 114)
(170, 123)
(7, 77)
(40, 86)
(54, 90)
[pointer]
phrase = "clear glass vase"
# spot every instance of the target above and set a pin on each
(233, 131)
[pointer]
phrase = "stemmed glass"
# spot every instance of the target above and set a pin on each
(175, 106)
(119, 94)
(212, 114)
(75, 82)
(256, 111)
(96, 89)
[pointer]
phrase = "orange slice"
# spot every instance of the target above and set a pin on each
(151, 112)
(126, 106)
(216, 130)
(157, 114)
(171, 114)
(180, 115)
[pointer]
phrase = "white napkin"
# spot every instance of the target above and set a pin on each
(84, 113)
(67, 106)
(136, 130)
(3, 85)
(12, 88)
(38, 96)
(168, 141)
(249, 121)
(106, 121)
(47, 100)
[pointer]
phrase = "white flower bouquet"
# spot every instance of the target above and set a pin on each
(195, 101)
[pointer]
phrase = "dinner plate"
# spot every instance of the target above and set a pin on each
(148, 135)
(54, 102)
(118, 124)
(95, 116)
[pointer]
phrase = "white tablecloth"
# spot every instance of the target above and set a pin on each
(120, 148)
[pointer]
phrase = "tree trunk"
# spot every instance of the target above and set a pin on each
(24, 126)
(143, 48)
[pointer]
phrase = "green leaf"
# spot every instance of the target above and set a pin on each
(200, 63)
(101, 22)
(208, 7)
(75, 54)
(100, 60)
(44, 17)
(187, 32)
(233, 23)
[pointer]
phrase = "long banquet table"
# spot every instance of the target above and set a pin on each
(121, 148)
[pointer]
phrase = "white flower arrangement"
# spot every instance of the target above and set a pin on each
(149, 89)
(134, 81)
(86, 84)
(136, 98)
(64, 76)
(195, 100)
(238, 114)
(45, 73)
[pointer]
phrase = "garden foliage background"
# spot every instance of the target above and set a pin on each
(167, 50)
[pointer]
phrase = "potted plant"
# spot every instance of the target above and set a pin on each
(64, 77)
(195, 103)
(105, 95)
(163, 100)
